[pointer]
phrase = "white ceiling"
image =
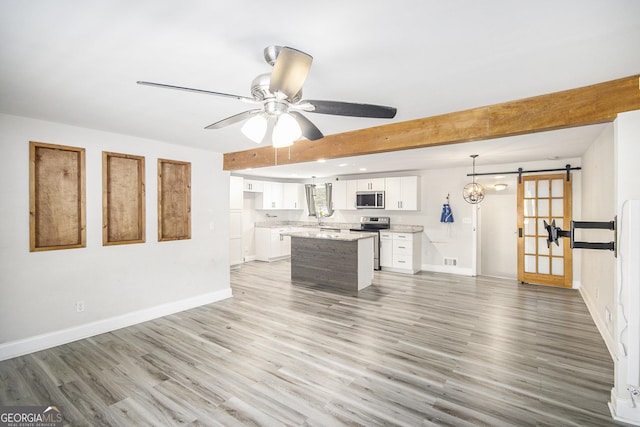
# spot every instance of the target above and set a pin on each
(77, 62)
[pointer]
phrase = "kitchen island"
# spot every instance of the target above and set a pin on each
(341, 260)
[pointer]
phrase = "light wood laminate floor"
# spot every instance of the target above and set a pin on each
(429, 349)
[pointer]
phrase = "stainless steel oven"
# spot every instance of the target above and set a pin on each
(373, 225)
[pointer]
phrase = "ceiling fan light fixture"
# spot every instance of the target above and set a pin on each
(255, 128)
(278, 95)
(285, 131)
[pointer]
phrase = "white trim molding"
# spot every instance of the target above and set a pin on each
(448, 269)
(24, 346)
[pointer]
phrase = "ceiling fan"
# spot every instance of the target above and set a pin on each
(279, 95)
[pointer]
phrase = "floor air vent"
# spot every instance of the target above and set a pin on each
(451, 261)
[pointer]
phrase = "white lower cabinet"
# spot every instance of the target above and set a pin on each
(271, 244)
(400, 252)
(386, 250)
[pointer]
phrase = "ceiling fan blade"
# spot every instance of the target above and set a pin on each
(206, 92)
(289, 72)
(309, 130)
(338, 108)
(233, 119)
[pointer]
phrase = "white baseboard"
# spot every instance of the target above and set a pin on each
(249, 258)
(624, 410)
(447, 269)
(602, 327)
(24, 346)
(399, 270)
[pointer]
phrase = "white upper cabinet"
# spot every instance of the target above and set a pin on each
(401, 193)
(352, 187)
(344, 194)
(272, 195)
(369, 184)
(235, 193)
(393, 193)
(253, 186)
(276, 195)
(339, 195)
(293, 196)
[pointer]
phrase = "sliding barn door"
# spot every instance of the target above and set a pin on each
(544, 198)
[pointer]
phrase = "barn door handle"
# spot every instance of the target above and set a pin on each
(520, 232)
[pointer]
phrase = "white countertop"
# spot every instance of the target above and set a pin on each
(345, 237)
(395, 228)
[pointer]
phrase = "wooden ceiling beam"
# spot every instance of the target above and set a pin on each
(587, 105)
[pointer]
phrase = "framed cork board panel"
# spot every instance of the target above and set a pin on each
(123, 199)
(56, 197)
(174, 200)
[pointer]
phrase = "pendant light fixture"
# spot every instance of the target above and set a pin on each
(473, 192)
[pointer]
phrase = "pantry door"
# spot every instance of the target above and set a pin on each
(544, 198)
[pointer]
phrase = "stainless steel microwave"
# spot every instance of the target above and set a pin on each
(370, 199)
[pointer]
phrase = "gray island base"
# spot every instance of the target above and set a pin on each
(341, 260)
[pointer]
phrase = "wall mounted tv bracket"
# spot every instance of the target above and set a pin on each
(556, 232)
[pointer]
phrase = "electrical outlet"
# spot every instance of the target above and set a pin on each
(79, 306)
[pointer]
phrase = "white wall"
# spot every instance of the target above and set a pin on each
(119, 284)
(498, 225)
(497, 219)
(598, 204)
(443, 240)
(497, 213)
(624, 405)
